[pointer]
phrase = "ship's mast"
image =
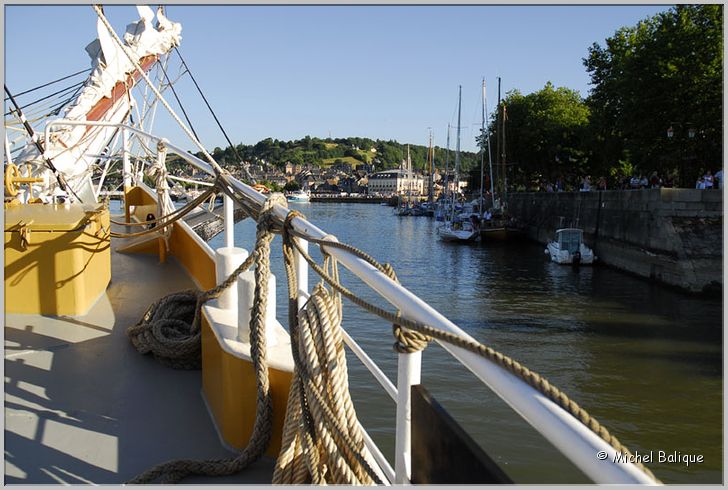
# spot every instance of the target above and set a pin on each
(457, 155)
(498, 138)
(431, 157)
(490, 160)
(447, 164)
(117, 67)
(503, 149)
(482, 151)
(409, 178)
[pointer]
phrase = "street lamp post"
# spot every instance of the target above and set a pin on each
(691, 135)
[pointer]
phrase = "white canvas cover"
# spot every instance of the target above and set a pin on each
(73, 149)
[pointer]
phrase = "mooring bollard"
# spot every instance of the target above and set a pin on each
(246, 292)
(227, 259)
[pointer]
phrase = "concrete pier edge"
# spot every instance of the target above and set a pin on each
(671, 236)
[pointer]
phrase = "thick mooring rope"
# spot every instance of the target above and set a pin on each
(177, 342)
(323, 442)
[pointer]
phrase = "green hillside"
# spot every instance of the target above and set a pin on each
(324, 152)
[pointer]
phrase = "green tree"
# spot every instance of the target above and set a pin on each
(544, 134)
(292, 186)
(665, 72)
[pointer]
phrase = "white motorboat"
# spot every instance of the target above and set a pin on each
(298, 196)
(569, 248)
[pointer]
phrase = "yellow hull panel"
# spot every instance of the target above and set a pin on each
(57, 258)
(229, 386)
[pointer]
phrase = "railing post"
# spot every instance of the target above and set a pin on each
(229, 221)
(126, 171)
(227, 259)
(301, 273)
(408, 374)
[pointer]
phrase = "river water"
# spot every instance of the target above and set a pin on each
(645, 360)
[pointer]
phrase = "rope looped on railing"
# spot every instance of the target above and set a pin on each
(424, 332)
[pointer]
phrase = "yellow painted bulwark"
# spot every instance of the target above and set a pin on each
(65, 264)
(182, 244)
(229, 386)
(228, 381)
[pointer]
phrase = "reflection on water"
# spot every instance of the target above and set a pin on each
(645, 360)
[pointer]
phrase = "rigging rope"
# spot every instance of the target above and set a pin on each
(219, 124)
(166, 220)
(64, 91)
(179, 102)
(50, 83)
(36, 141)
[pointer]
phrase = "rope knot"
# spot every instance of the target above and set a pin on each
(266, 216)
(287, 226)
(409, 341)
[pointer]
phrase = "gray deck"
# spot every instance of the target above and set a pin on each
(83, 406)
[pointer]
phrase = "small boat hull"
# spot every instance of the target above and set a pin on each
(298, 197)
(564, 257)
(448, 234)
(495, 233)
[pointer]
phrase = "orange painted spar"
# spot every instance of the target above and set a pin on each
(120, 89)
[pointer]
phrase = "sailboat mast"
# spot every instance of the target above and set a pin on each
(409, 177)
(490, 159)
(498, 136)
(457, 154)
(505, 165)
(431, 154)
(447, 162)
(482, 151)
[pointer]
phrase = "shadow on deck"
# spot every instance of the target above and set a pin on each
(83, 406)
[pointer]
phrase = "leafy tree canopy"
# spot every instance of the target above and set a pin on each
(665, 72)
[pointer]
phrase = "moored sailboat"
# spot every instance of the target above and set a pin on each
(457, 228)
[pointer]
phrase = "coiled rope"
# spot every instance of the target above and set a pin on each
(176, 342)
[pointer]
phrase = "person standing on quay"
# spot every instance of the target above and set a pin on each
(719, 177)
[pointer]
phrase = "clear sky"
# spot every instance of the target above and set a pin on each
(384, 72)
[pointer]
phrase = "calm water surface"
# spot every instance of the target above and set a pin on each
(643, 359)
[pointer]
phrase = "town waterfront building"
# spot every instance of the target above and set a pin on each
(391, 182)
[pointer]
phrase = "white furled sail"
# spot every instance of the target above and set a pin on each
(105, 97)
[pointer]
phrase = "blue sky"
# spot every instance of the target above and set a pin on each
(387, 72)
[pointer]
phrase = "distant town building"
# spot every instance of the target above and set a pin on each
(395, 182)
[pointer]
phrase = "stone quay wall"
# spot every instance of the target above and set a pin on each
(673, 236)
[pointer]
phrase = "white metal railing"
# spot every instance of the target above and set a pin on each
(564, 431)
